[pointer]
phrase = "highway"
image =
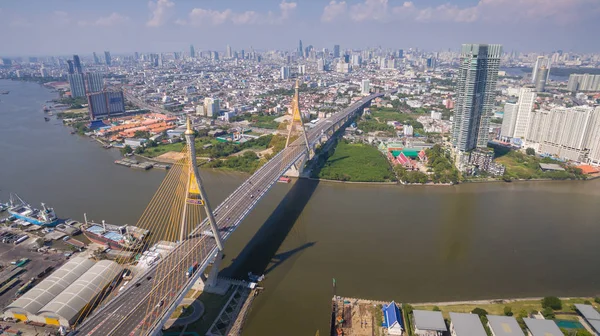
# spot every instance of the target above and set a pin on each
(138, 307)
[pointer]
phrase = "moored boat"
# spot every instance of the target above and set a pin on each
(126, 237)
(22, 210)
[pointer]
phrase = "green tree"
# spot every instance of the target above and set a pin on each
(479, 311)
(548, 313)
(597, 299)
(530, 151)
(126, 150)
(508, 311)
(436, 308)
(139, 150)
(141, 134)
(552, 302)
(408, 308)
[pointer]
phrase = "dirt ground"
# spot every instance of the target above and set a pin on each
(170, 156)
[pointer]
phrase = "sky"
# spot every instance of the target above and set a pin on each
(63, 27)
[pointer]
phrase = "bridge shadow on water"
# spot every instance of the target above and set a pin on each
(260, 256)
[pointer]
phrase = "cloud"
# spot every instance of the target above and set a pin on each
(201, 16)
(160, 12)
(334, 10)
(113, 19)
(499, 11)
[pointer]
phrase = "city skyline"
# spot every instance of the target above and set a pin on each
(172, 25)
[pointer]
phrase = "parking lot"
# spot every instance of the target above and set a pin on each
(38, 263)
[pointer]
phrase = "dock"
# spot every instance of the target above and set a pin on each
(132, 163)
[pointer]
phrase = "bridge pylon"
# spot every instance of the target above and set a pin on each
(195, 189)
(297, 126)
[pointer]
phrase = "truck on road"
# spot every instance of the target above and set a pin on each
(191, 270)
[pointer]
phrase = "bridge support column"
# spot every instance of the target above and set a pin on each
(297, 169)
(211, 283)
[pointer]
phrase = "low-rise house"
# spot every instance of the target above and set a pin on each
(591, 316)
(504, 326)
(539, 327)
(462, 324)
(429, 323)
(392, 319)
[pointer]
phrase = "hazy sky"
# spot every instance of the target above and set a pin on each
(61, 27)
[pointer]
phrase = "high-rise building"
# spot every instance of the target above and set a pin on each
(285, 72)
(105, 104)
(356, 60)
(229, 54)
(431, 63)
(509, 120)
(70, 67)
(336, 51)
(525, 106)
(301, 69)
(476, 87)
(96, 60)
(541, 78)
(95, 82)
(568, 133)
(43, 72)
(211, 106)
(77, 85)
(400, 53)
(541, 61)
(300, 49)
(365, 87)
(583, 82)
(320, 65)
(77, 64)
(107, 58)
(136, 56)
(192, 51)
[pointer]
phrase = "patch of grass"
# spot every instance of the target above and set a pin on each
(357, 163)
(182, 311)
(164, 148)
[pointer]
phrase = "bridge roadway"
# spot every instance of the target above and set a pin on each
(126, 313)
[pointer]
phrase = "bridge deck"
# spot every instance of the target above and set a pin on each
(126, 314)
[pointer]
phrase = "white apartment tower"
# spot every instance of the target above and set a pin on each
(516, 116)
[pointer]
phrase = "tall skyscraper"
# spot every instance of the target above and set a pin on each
(136, 56)
(336, 51)
(300, 49)
(476, 87)
(365, 87)
(96, 60)
(192, 52)
(541, 61)
(77, 85)
(229, 54)
(516, 122)
(401, 53)
(70, 67)
(77, 64)
(583, 82)
(301, 69)
(107, 58)
(95, 82)
(541, 78)
(320, 65)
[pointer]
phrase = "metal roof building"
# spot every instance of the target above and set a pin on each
(504, 326)
(27, 306)
(65, 308)
(590, 314)
(462, 324)
(429, 323)
(542, 327)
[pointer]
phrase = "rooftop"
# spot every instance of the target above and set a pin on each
(542, 327)
(467, 324)
(588, 311)
(429, 320)
(504, 326)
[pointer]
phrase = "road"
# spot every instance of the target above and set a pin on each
(133, 310)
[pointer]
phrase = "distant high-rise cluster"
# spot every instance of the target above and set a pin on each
(107, 58)
(336, 51)
(477, 77)
(192, 51)
(285, 72)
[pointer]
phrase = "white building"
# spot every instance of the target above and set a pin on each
(516, 116)
(408, 130)
(302, 69)
(211, 106)
(568, 133)
(365, 87)
(435, 115)
(320, 65)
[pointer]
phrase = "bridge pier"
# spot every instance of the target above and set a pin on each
(211, 283)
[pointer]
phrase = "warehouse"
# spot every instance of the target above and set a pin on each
(67, 307)
(27, 306)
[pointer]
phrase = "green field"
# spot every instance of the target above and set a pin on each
(356, 163)
(163, 148)
(524, 167)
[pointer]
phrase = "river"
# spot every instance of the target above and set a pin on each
(406, 243)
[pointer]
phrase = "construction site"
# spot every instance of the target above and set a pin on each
(356, 317)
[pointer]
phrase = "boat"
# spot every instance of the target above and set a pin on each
(46, 119)
(284, 179)
(46, 108)
(4, 92)
(3, 207)
(50, 113)
(22, 210)
(126, 237)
